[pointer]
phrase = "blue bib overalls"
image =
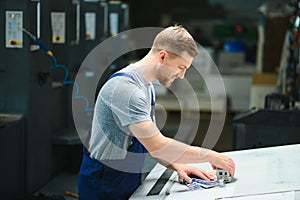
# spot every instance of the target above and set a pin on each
(98, 181)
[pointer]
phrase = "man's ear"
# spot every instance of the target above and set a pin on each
(162, 55)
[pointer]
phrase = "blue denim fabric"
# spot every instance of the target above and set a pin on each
(97, 181)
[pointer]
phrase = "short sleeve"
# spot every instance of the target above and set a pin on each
(130, 104)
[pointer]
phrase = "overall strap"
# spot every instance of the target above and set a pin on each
(122, 74)
(132, 78)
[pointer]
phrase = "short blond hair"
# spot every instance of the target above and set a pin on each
(176, 40)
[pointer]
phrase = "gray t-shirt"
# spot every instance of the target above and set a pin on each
(121, 101)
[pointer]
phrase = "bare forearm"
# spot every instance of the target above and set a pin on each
(192, 154)
(171, 151)
(167, 149)
(177, 152)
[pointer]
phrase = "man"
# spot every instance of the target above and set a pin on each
(123, 127)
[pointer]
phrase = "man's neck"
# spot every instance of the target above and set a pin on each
(147, 66)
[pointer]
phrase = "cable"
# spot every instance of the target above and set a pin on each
(38, 42)
(55, 65)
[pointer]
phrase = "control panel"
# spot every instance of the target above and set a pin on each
(13, 31)
(114, 23)
(58, 22)
(90, 26)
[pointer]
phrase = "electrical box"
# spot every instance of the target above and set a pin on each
(58, 22)
(90, 25)
(13, 31)
(114, 23)
(118, 17)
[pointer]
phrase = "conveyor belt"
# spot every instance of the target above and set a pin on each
(159, 185)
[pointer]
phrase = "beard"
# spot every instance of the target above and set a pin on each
(166, 82)
(164, 76)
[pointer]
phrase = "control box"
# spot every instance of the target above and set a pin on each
(58, 23)
(90, 25)
(13, 29)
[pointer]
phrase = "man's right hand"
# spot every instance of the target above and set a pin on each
(219, 160)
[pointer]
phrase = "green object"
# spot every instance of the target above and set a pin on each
(225, 31)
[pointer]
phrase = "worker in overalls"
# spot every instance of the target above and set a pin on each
(123, 128)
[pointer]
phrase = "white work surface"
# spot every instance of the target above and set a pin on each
(272, 172)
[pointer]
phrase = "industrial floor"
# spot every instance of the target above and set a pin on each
(59, 186)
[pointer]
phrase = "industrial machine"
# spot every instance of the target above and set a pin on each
(12, 150)
(26, 90)
(262, 173)
(44, 44)
(264, 127)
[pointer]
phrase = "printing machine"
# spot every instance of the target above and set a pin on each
(262, 173)
(266, 152)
